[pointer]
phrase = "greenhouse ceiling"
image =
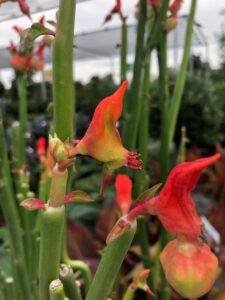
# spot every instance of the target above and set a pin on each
(105, 43)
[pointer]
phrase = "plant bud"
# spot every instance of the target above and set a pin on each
(58, 149)
(190, 267)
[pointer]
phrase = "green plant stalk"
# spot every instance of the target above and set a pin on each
(164, 149)
(182, 146)
(157, 29)
(78, 265)
(10, 288)
(179, 87)
(52, 229)
(140, 181)
(110, 264)
(56, 290)
(63, 85)
(165, 288)
(27, 221)
(13, 222)
(22, 93)
(52, 224)
(3, 292)
(18, 155)
(123, 53)
(134, 106)
(164, 105)
(123, 69)
(44, 187)
(67, 278)
(129, 294)
(21, 179)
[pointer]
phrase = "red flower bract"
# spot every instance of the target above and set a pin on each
(174, 205)
(123, 193)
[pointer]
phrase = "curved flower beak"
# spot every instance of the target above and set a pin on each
(174, 205)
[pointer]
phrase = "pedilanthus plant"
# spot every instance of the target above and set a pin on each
(102, 142)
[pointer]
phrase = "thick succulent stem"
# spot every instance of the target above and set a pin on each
(67, 277)
(110, 264)
(52, 225)
(13, 222)
(56, 290)
(63, 85)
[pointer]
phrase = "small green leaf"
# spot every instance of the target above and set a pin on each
(30, 34)
(148, 193)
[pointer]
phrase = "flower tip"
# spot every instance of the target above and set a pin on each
(123, 87)
(217, 156)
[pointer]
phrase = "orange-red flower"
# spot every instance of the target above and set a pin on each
(102, 139)
(123, 193)
(174, 205)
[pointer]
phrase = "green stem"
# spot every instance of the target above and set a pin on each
(129, 294)
(10, 288)
(164, 103)
(12, 218)
(134, 106)
(110, 264)
(67, 277)
(56, 290)
(123, 53)
(157, 29)
(58, 187)
(164, 149)
(52, 224)
(63, 85)
(140, 182)
(179, 87)
(165, 288)
(78, 265)
(17, 150)
(22, 92)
